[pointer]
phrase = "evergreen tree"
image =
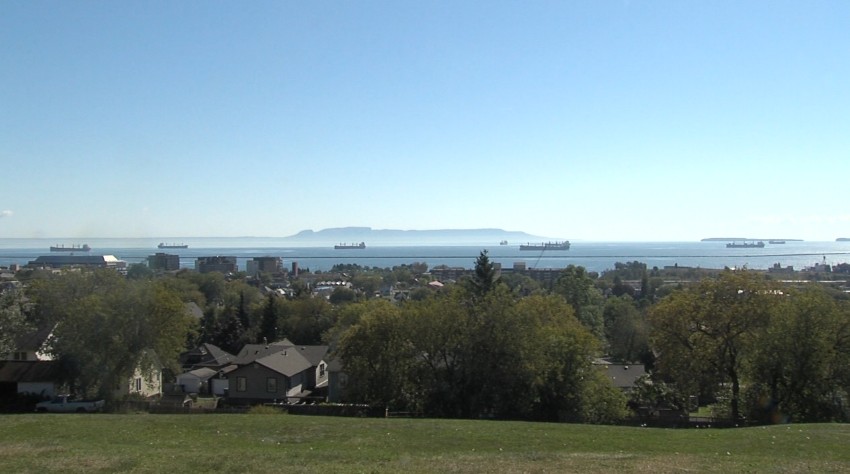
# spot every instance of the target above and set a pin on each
(485, 277)
(268, 326)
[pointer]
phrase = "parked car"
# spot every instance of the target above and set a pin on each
(69, 404)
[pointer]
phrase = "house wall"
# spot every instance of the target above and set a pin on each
(219, 386)
(319, 375)
(139, 384)
(41, 354)
(256, 385)
(191, 383)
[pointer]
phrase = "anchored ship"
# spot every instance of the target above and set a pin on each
(163, 245)
(73, 248)
(745, 245)
(564, 245)
(361, 245)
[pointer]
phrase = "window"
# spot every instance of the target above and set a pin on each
(19, 356)
(321, 370)
(138, 384)
(271, 385)
(241, 384)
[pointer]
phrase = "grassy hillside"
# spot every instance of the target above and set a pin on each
(286, 443)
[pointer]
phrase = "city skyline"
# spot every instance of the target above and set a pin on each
(602, 121)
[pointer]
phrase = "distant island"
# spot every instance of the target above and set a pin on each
(843, 239)
(732, 239)
(373, 237)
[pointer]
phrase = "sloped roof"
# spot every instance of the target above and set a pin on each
(193, 310)
(288, 362)
(29, 371)
(313, 354)
(206, 355)
(34, 341)
(203, 373)
(622, 376)
(253, 352)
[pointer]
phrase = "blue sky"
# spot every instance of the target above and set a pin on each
(608, 120)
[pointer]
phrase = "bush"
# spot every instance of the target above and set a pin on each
(265, 410)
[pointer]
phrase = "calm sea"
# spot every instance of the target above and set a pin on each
(595, 256)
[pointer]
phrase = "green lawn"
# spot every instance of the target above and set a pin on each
(287, 443)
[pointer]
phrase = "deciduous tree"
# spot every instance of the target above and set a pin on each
(706, 333)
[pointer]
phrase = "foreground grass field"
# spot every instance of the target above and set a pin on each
(287, 443)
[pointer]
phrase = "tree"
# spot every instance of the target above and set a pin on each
(626, 330)
(461, 354)
(108, 327)
(368, 284)
(228, 333)
(269, 323)
(341, 295)
(378, 358)
(12, 321)
(705, 333)
(212, 285)
(485, 277)
(139, 271)
(308, 319)
(799, 369)
(577, 287)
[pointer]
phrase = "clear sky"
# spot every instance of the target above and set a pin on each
(587, 120)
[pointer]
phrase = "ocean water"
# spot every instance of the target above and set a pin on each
(595, 256)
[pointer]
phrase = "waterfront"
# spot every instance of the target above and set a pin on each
(595, 256)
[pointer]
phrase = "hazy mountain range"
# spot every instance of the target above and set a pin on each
(368, 235)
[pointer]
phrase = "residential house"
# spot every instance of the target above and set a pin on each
(279, 372)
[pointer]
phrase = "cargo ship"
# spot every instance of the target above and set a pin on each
(745, 245)
(361, 245)
(776, 241)
(565, 245)
(73, 248)
(163, 245)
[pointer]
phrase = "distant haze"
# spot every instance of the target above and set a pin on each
(353, 235)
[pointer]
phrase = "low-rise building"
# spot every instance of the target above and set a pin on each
(59, 261)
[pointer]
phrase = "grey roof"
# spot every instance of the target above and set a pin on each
(203, 373)
(206, 355)
(287, 362)
(193, 310)
(34, 341)
(622, 375)
(314, 354)
(253, 352)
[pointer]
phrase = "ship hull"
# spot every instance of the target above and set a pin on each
(546, 246)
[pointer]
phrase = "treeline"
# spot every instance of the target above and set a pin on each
(486, 347)
(767, 351)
